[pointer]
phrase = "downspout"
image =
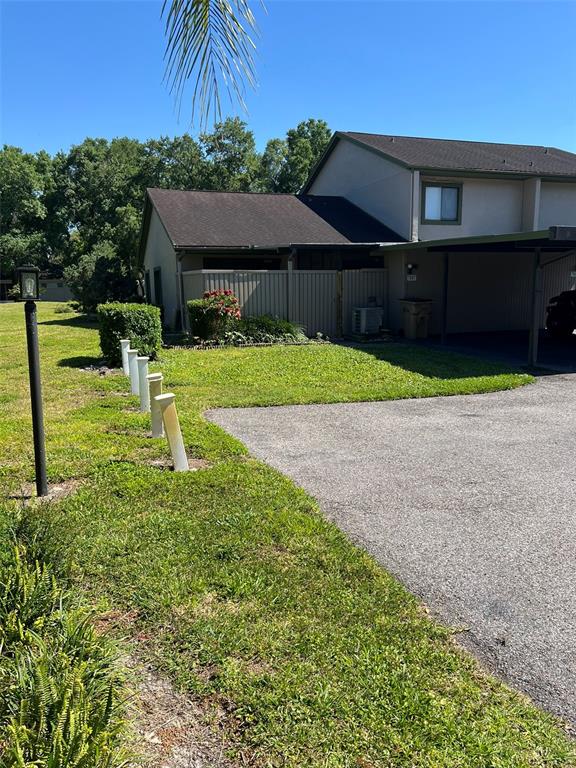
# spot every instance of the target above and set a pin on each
(415, 206)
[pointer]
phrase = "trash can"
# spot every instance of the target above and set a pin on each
(416, 313)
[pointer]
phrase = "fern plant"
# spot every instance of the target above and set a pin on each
(60, 688)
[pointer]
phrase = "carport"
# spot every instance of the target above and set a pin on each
(485, 284)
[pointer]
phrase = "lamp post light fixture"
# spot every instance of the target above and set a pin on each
(29, 282)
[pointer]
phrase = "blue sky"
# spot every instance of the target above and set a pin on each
(490, 71)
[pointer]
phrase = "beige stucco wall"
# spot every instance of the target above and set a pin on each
(557, 204)
(489, 207)
(381, 188)
(160, 253)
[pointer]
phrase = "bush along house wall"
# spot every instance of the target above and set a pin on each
(138, 322)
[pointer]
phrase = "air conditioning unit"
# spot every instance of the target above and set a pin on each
(367, 321)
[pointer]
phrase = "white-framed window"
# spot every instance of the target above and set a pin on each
(441, 203)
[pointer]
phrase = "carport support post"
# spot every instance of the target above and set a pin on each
(537, 290)
(445, 274)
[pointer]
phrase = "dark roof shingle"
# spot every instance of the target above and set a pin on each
(244, 219)
(452, 155)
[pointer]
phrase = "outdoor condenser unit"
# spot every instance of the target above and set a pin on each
(367, 321)
(562, 233)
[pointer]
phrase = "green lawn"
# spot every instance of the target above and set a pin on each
(308, 652)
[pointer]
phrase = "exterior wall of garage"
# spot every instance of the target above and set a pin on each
(486, 291)
(160, 255)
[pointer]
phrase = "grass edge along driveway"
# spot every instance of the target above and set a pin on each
(306, 650)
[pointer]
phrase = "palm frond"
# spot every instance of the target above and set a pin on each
(211, 42)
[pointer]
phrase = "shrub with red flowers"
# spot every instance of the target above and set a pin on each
(214, 314)
(224, 303)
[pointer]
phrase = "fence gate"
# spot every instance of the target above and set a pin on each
(313, 297)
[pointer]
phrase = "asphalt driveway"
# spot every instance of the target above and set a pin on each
(470, 501)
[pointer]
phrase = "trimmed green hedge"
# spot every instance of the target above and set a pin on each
(138, 322)
(202, 324)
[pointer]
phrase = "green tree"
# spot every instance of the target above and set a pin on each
(271, 165)
(24, 179)
(305, 145)
(176, 163)
(100, 275)
(232, 163)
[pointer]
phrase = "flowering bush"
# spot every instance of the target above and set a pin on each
(224, 303)
(213, 315)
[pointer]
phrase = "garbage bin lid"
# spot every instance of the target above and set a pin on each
(417, 301)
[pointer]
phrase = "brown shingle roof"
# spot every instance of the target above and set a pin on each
(243, 219)
(448, 154)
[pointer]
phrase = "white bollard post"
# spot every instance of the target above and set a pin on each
(155, 389)
(124, 347)
(143, 384)
(133, 368)
(173, 431)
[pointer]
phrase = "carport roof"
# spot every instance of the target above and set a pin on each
(556, 239)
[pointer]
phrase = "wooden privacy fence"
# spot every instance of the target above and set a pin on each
(319, 300)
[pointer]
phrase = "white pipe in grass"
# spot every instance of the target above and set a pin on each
(133, 368)
(124, 347)
(173, 431)
(144, 391)
(155, 389)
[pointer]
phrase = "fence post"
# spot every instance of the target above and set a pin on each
(133, 368)
(143, 384)
(173, 431)
(155, 389)
(289, 288)
(339, 299)
(124, 347)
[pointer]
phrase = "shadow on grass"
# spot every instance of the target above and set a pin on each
(81, 321)
(439, 364)
(81, 361)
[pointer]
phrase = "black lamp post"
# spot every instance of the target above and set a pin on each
(29, 281)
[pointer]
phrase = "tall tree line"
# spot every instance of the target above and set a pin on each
(79, 212)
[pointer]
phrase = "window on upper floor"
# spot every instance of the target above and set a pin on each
(441, 203)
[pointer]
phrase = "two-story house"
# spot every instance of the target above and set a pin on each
(462, 224)
(438, 193)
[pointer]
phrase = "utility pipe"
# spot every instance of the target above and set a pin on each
(173, 431)
(133, 369)
(155, 389)
(144, 392)
(124, 347)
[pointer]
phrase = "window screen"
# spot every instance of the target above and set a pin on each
(441, 203)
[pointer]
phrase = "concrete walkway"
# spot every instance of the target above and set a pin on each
(470, 501)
